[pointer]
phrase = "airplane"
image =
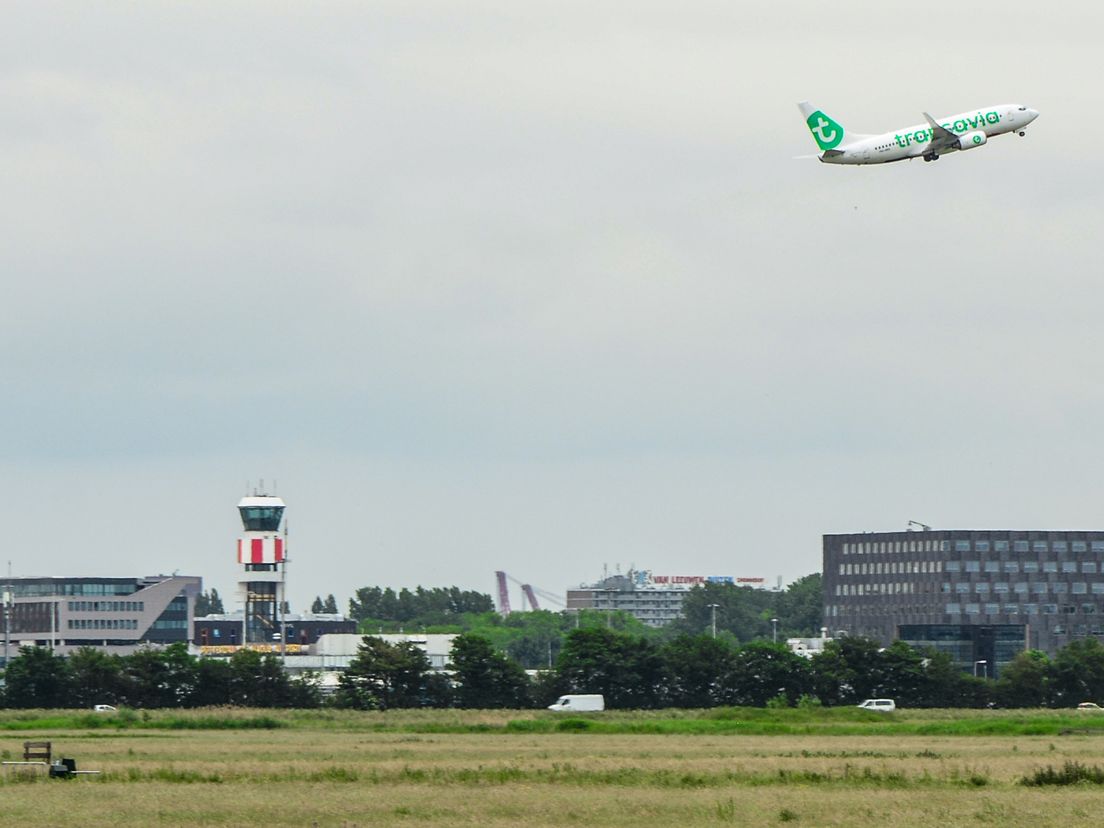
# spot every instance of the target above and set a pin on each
(929, 141)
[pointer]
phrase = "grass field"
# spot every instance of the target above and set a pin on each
(729, 767)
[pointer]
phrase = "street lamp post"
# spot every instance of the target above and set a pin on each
(774, 630)
(713, 618)
(982, 662)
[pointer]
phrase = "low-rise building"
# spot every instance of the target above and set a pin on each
(113, 614)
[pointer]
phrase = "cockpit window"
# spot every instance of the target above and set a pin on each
(1023, 109)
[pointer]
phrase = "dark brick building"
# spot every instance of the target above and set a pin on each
(981, 596)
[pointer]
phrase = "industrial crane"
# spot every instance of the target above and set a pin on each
(529, 594)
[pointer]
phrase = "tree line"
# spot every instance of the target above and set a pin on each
(631, 671)
(150, 678)
(702, 671)
(437, 605)
(535, 639)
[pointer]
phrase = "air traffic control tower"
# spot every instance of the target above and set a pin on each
(261, 553)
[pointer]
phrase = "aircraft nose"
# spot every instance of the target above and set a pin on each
(1032, 114)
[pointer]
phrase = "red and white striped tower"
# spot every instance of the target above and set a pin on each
(261, 554)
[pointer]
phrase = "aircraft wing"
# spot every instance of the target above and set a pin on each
(941, 136)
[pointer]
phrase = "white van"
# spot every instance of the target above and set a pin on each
(884, 705)
(579, 703)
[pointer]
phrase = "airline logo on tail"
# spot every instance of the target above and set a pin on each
(827, 132)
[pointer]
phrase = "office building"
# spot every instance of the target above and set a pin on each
(113, 614)
(653, 599)
(980, 595)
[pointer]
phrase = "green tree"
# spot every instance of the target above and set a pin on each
(258, 680)
(801, 607)
(38, 678)
(317, 605)
(762, 671)
(627, 670)
(1078, 672)
(212, 685)
(485, 678)
(847, 671)
(208, 603)
(97, 678)
(1025, 681)
(382, 676)
(160, 678)
(330, 605)
(696, 666)
(743, 612)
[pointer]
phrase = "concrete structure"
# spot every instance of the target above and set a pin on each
(261, 553)
(980, 595)
(653, 599)
(112, 614)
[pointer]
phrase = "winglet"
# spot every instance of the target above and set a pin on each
(931, 121)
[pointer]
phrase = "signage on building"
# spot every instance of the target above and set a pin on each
(644, 579)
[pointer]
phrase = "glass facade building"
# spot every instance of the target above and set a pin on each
(112, 614)
(981, 596)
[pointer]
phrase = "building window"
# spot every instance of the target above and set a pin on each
(1000, 586)
(1089, 567)
(1011, 566)
(983, 587)
(1098, 589)
(1080, 588)
(1050, 609)
(954, 609)
(1031, 609)
(1021, 587)
(973, 566)
(1050, 566)
(992, 609)
(1030, 566)
(1079, 547)
(981, 546)
(1039, 546)
(1088, 609)
(1069, 566)
(1061, 588)
(1019, 546)
(1059, 546)
(962, 587)
(1098, 546)
(1012, 609)
(952, 566)
(1038, 587)
(1000, 546)
(973, 609)
(962, 546)
(992, 566)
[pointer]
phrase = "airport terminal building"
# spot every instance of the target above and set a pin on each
(980, 595)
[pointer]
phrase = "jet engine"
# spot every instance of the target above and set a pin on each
(971, 140)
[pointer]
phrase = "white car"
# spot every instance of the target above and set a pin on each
(103, 708)
(881, 705)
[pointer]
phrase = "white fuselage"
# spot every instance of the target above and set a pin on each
(913, 141)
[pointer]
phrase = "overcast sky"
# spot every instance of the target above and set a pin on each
(537, 286)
